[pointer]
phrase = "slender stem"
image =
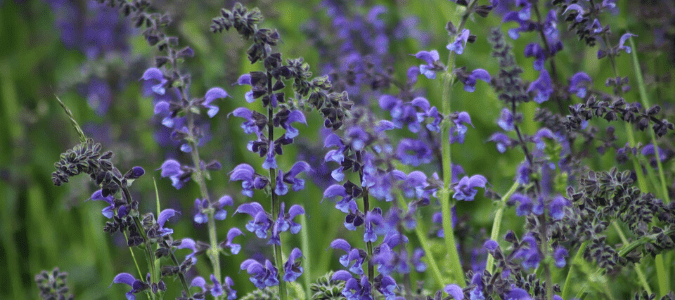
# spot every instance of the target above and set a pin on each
(304, 244)
(446, 201)
(212, 252)
(276, 204)
(366, 209)
(638, 268)
(567, 288)
(422, 237)
(489, 266)
(547, 47)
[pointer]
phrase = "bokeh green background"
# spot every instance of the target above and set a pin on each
(43, 226)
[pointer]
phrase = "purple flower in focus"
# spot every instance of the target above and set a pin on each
(470, 79)
(352, 255)
(354, 289)
(542, 87)
(465, 190)
(249, 179)
(109, 211)
(433, 64)
(213, 94)
(460, 129)
(219, 214)
(290, 178)
(284, 222)
(455, 291)
(227, 244)
(460, 42)
(136, 285)
(292, 269)
(529, 253)
(261, 223)
(172, 169)
(161, 220)
(157, 77)
(261, 276)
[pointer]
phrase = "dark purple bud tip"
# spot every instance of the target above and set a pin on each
(134, 173)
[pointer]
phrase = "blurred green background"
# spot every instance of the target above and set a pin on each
(43, 226)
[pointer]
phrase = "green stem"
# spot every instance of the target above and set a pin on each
(304, 244)
(213, 252)
(567, 288)
(446, 201)
(422, 237)
(489, 266)
(638, 268)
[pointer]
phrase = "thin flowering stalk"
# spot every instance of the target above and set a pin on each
(567, 288)
(445, 199)
(366, 209)
(663, 276)
(422, 237)
(547, 47)
(489, 266)
(642, 183)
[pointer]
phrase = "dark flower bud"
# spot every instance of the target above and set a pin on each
(511, 237)
(654, 110)
(134, 173)
(185, 52)
(452, 30)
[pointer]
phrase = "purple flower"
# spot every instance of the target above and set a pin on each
(285, 222)
(172, 169)
(249, 179)
(460, 129)
(109, 211)
(260, 223)
(416, 260)
(136, 285)
(357, 137)
(502, 141)
(534, 50)
(523, 173)
(557, 207)
(386, 286)
(579, 83)
(433, 65)
(290, 178)
(505, 120)
(623, 40)
(200, 206)
(217, 288)
(292, 269)
(227, 244)
(528, 252)
(428, 112)
(578, 10)
(522, 18)
(542, 86)
(413, 152)
(213, 94)
(525, 204)
(437, 218)
(460, 42)
(517, 294)
(261, 276)
(219, 214)
(347, 203)
(157, 78)
(490, 245)
(455, 291)
(470, 80)
(188, 243)
(354, 289)
(162, 218)
(294, 116)
(255, 121)
(353, 255)
(559, 255)
(466, 188)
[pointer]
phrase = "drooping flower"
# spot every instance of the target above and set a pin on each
(578, 12)
(284, 222)
(261, 223)
(293, 269)
(534, 50)
(559, 255)
(290, 178)
(162, 218)
(172, 169)
(293, 117)
(213, 94)
(470, 79)
(433, 64)
(622, 41)
(460, 42)
(227, 244)
(466, 188)
(157, 78)
(108, 211)
(249, 179)
(354, 289)
(261, 276)
(506, 120)
(579, 83)
(502, 140)
(455, 291)
(136, 285)
(542, 86)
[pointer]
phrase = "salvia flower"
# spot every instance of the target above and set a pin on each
(261, 223)
(285, 222)
(577, 10)
(108, 211)
(249, 179)
(559, 255)
(459, 134)
(460, 42)
(623, 40)
(502, 140)
(261, 276)
(213, 94)
(534, 50)
(542, 86)
(579, 83)
(136, 285)
(292, 269)
(466, 187)
(433, 64)
(505, 120)
(227, 244)
(524, 204)
(157, 77)
(292, 117)
(255, 121)
(220, 214)
(346, 204)
(172, 169)
(517, 294)
(557, 207)
(164, 216)
(529, 252)
(413, 152)
(455, 291)
(353, 259)
(469, 80)
(386, 286)
(354, 289)
(290, 178)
